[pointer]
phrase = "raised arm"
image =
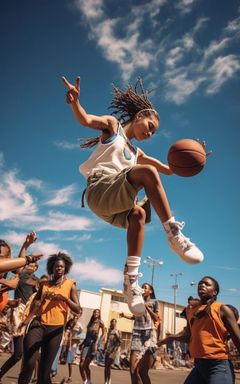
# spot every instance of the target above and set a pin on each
(161, 167)
(106, 123)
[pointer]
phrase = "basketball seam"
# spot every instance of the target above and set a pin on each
(186, 166)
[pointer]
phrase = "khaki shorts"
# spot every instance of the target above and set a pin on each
(111, 197)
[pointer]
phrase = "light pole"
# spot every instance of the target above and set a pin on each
(154, 263)
(175, 288)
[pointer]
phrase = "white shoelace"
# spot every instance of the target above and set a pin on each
(183, 241)
(136, 289)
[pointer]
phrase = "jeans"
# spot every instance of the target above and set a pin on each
(211, 371)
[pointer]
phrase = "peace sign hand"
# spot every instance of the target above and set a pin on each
(73, 90)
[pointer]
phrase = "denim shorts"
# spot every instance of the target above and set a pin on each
(144, 341)
(211, 371)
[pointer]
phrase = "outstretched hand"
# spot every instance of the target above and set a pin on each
(73, 90)
(204, 144)
(30, 238)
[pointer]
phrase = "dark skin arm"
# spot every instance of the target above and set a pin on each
(154, 315)
(7, 265)
(182, 336)
(231, 324)
(72, 301)
(129, 317)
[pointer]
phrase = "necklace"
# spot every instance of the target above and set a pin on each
(58, 282)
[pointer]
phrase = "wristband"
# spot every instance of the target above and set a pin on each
(31, 259)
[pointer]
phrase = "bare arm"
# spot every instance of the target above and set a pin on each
(231, 324)
(161, 167)
(72, 301)
(7, 265)
(182, 336)
(106, 123)
(30, 239)
(129, 317)
(154, 315)
(102, 328)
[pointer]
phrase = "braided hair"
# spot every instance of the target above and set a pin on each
(126, 105)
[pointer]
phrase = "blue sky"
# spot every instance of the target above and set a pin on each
(188, 50)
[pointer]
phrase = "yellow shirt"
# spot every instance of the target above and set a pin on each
(55, 312)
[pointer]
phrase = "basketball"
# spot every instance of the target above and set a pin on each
(186, 157)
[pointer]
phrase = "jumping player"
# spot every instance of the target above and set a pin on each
(117, 170)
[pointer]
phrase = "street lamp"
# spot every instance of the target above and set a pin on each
(175, 288)
(154, 263)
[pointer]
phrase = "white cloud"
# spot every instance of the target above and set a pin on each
(15, 200)
(233, 26)
(129, 52)
(62, 196)
(180, 87)
(216, 46)
(66, 145)
(92, 9)
(58, 221)
(223, 69)
(139, 39)
(185, 6)
(174, 56)
(92, 270)
(19, 209)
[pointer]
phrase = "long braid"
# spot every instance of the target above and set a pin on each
(126, 104)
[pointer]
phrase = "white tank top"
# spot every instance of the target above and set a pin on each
(112, 156)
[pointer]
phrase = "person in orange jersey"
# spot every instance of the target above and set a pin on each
(54, 299)
(209, 323)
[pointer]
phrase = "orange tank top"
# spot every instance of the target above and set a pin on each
(208, 333)
(3, 301)
(55, 312)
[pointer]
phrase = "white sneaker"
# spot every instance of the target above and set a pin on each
(133, 294)
(180, 244)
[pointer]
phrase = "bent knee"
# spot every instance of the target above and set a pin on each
(149, 170)
(137, 215)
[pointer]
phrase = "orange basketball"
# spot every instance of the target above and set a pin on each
(186, 157)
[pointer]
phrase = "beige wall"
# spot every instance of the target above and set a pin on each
(112, 308)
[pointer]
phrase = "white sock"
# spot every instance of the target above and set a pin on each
(133, 263)
(166, 224)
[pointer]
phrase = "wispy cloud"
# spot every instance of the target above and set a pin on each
(15, 200)
(223, 69)
(185, 6)
(92, 270)
(20, 208)
(59, 221)
(62, 196)
(66, 145)
(183, 64)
